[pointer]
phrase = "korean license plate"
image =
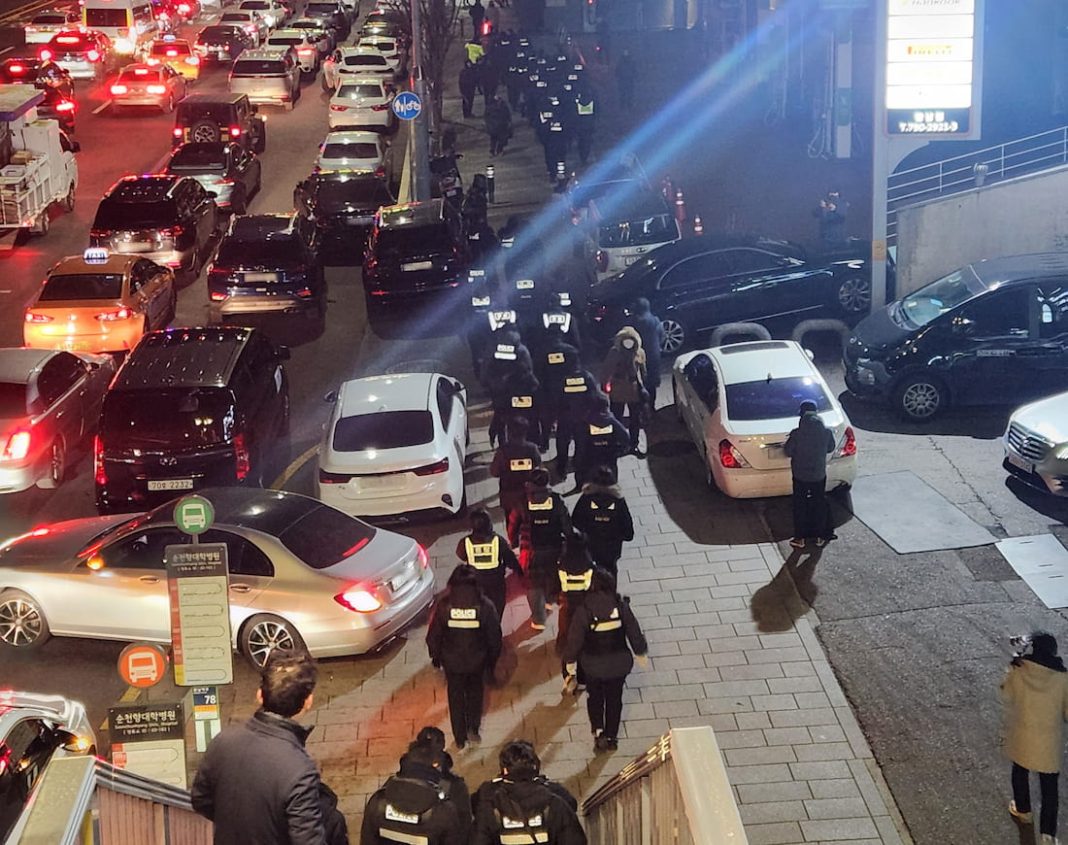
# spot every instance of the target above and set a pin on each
(1020, 463)
(170, 484)
(630, 259)
(261, 277)
(417, 265)
(401, 581)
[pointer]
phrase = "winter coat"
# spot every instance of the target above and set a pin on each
(594, 446)
(601, 513)
(259, 786)
(454, 787)
(624, 369)
(464, 650)
(413, 796)
(606, 655)
(1036, 705)
(513, 463)
(468, 81)
(525, 798)
(808, 446)
(536, 529)
(557, 360)
(498, 119)
(651, 333)
(337, 829)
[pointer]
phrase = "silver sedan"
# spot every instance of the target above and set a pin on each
(302, 575)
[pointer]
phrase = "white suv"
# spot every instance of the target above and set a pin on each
(1036, 444)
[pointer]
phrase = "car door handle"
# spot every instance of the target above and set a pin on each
(148, 579)
(241, 588)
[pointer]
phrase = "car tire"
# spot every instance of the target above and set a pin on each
(260, 144)
(265, 633)
(853, 295)
(710, 479)
(22, 622)
(57, 466)
(920, 398)
(675, 336)
(204, 131)
(172, 310)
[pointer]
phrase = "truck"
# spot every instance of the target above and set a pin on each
(37, 165)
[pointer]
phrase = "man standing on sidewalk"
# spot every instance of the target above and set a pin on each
(807, 447)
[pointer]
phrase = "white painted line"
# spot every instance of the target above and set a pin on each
(6, 50)
(102, 106)
(294, 467)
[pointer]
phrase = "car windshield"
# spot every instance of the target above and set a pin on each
(135, 215)
(258, 67)
(68, 287)
(658, 229)
(199, 157)
(257, 5)
(919, 308)
(177, 417)
(409, 240)
(12, 400)
(324, 536)
(224, 33)
(362, 193)
(774, 398)
(388, 430)
(50, 18)
(365, 61)
(355, 92)
(276, 252)
(350, 150)
(97, 18)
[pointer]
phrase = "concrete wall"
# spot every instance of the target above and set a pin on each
(1026, 214)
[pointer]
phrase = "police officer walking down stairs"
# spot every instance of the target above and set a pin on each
(490, 556)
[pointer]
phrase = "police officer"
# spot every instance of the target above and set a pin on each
(575, 571)
(539, 528)
(513, 464)
(509, 357)
(468, 87)
(600, 441)
(518, 397)
(557, 359)
(584, 121)
(490, 556)
(454, 786)
(556, 318)
(555, 144)
(578, 393)
(487, 304)
(464, 638)
(601, 513)
(602, 639)
(412, 806)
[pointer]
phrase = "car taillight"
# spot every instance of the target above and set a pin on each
(183, 8)
(305, 293)
(16, 70)
(172, 232)
(33, 317)
(219, 296)
(235, 131)
(113, 316)
(380, 171)
(433, 469)
(849, 447)
(99, 472)
(151, 61)
(65, 105)
(729, 457)
(116, 90)
(339, 108)
(424, 560)
(93, 55)
(156, 89)
(333, 477)
(241, 459)
(17, 446)
(45, 55)
(177, 132)
(380, 107)
(362, 601)
(99, 233)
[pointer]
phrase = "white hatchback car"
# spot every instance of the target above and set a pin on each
(364, 61)
(1036, 444)
(741, 401)
(389, 48)
(361, 102)
(352, 151)
(395, 444)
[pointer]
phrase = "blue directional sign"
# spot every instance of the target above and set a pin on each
(407, 105)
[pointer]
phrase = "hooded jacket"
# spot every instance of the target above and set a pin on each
(608, 653)
(624, 369)
(454, 787)
(601, 440)
(464, 635)
(651, 332)
(808, 446)
(537, 527)
(525, 797)
(1035, 696)
(412, 802)
(513, 462)
(601, 513)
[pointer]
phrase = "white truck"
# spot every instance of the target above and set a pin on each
(37, 165)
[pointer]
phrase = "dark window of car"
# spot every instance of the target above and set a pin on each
(50, 18)
(710, 265)
(372, 60)
(24, 753)
(143, 272)
(191, 113)
(933, 300)
(350, 149)
(58, 376)
(324, 536)
(657, 229)
(177, 417)
(73, 286)
(65, 143)
(141, 74)
(388, 430)
(218, 33)
(354, 92)
(408, 240)
(259, 67)
(320, 9)
(700, 372)
(142, 549)
(12, 400)
(446, 393)
(752, 261)
(774, 399)
(199, 157)
(286, 40)
(363, 193)
(243, 557)
(105, 17)
(1052, 309)
(999, 314)
(116, 214)
(277, 252)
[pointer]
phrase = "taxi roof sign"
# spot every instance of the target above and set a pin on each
(95, 255)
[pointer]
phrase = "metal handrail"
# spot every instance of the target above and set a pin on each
(634, 771)
(138, 786)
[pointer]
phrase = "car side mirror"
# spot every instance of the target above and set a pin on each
(331, 397)
(282, 353)
(75, 147)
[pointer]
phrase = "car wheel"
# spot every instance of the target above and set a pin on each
(264, 634)
(68, 200)
(674, 336)
(920, 398)
(194, 263)
(854, 295)
(204, 132)
(22, 622)
(261, 140)
(43, 224)
(57, 466)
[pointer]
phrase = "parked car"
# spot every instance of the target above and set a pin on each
(992, 332)
(40, 73)
(267, 76)
(395, 444)
(82, 53)
(159, 86)
(362, 102)
(208, 118)
(44, 25)
(342, 205)
(316, 31)
(332, 14)
(356, 152)
(100, 302)
(1036, 444)
(273, 13)
(305, 44)
(177, 54)
(190, 408)
(222, 42)
(267, 263)
(49, 404)
(740, 402)
(302, 576)
(697, 284)
(225, 169)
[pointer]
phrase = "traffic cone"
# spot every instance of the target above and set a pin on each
(698, 226)
(680, 208)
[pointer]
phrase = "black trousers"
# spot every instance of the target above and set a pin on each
(634, 419)
(465, 703)
(604, 704)
(812, 514)
(1021, 794)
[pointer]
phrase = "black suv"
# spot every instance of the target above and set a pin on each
(208, 118)
(342, 205)
(415, 249)
(190, 408)
(267, 263)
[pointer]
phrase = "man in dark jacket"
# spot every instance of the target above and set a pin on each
(601, 513)
(652, 335)
(516, 397)
(412, 806)
(600, 441)
(451, 783)
(256, 782)
(490, 556)
(521, 802)
(539, 528)
(807, 447)
(498, 125)
(513, 463)
(468, 87)
(464, 639)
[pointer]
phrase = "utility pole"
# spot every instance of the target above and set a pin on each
(418, 135)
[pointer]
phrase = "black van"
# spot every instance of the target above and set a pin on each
(993, 332)
(190, 408)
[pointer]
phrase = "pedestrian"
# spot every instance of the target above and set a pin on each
(579, 392)
(452, 784)
(521, 805)
(602, 514)
(257, 783)
(832, 215)
(476, 203)
(464, 639)
(538, 529)
(600, 441)
(603, 639)
(331, 71)
(498, 125)
(474, 50)
(412, 806)
(556, 360)
(626, 76)
(468, 86)
(575, 572)
(1035, 695)
(651, 332)
(624, 377)
(807, 447)
(517, 397)
(513, 464)
(490, 556)
(489, 79)
(478, 14)
(510, 358)
(585, 126)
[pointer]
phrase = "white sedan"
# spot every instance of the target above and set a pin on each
(389, 48)
(364, 60)
(361, 102)
(395, 444)
(352, 151)
(741, 401)
(1036, 444)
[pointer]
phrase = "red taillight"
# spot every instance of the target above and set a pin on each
(729, 457)
(183, 8)
(305, 293)
(241, 459)
(99, 473)
(116, 90)
(218, 296)
(156, 89)
(45, 55)
(424, 560)
(235, 131)
(362, 601)
(16, 70)
(380, 171)
(486, 27)
(17, 447)
(65, 105)
(177, 132)
(68, 39)
(341, 108)
(381, 107)
(849, 447)
(172, 232)
(123, 313)
(33, 317)
(333, 478)
(93, 55)
(433, 469)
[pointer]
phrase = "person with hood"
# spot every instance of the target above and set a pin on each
(575, 573)
(464, 639)
(600, 441)
(498, 125)
(513, 464)
(652, 334)
(476, 203)
(557, 359)
(807, 447)
(539, 528)
(517, 397)
(490, 556)
(580, 397)
(603, 639)
(452, 784)
(601, 513)
(1035, 696)
(624, 381)
(521, 802)
(413, 806)
(468, 87)
(508, 355)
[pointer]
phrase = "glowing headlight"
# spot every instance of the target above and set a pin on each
(124, 45)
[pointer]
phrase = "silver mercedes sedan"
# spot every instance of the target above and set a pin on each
(302, 575)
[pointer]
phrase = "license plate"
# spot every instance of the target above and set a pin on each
(401, 581)
(171, 484)
(261, 277)
(1020, 463)
(358, 221)
(630, 259)
(417, 265)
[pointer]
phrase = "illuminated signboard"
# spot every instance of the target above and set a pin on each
(932, 67)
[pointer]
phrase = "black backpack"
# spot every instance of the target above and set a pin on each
(516, 826)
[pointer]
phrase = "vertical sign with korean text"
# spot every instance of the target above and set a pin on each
(149, 740)
(198, 583)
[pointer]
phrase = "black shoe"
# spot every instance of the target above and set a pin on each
(600, 743)
(475, 738)
(611, 743)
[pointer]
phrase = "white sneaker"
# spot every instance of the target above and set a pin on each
(1022, 818)
(1049, 840)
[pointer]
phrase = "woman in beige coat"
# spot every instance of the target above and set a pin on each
(1035, 695)
(624, 381)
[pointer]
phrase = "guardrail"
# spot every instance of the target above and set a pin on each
(971, 170)
(677, 793)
